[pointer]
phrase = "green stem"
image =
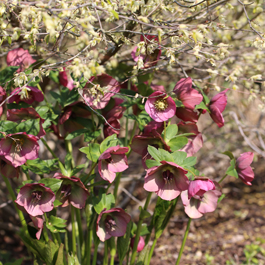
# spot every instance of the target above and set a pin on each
(79, 223)
(45, 234)
(139, 227)
(152, 250)
(117, 183)
(133, 132)
(222, 178)
(94, 262)
(90, 172)
(73, 230)
(69, 149)
(165, 127)
(46, 222)
(13, 196)
(112, 250)
(183, 242)
(66, 242)
(105, 260)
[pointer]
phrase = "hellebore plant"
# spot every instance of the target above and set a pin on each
(36, 199)
(244, 169)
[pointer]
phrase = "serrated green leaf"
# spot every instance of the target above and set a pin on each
(189, 161)
(92, 151)
(52, 183)
(42, 111)
(60, 256)
(7, 74)
(151, 163)
(7, 126)
(39, 166)
(144, 213)
(104, 201)
(73, 260)
(179, 157)
(109, 142)
(171, 131)
(90, 136)
(177, 143)
(143, 256)
(154, 153)
(165, 155)
(76, 133)
(202, 106)
(29, 126)
(231, 171)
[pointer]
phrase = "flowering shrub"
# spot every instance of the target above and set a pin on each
(83, 79)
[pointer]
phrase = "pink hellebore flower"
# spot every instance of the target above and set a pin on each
(38, 223)
(187, 114)
(140, 245)
(244, 169)
(20, 115)
(160, 106)
(66, 80)
(190, 97)
(72, 191)
(19, 57)
(7, 170)
(111, 161)
(2, 98)
(26, 94)
(98, 94)
(200, 198)
(112, 222)
(217, 106)
(195, 141)
(167, 180)
(35, 198)
(17, 148)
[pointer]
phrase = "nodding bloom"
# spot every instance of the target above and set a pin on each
(35, 198)
(2, 98)
(244, 169)
(72, 191)
(69, 119)
(38, 223)
(140, 245)
(111, 161)
(195, 141)
(17, 148)
(99, 90)
(187, 114)
(112, 222)
(26, 94)
(167, 180)
(200, 198)
(19, 57)
(160, 106)
(217, 106)
(66, 80)
(148, 58)
(7, 170)
(186, 94)
(20, 115)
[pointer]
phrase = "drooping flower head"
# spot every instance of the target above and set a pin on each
(17, 148)
(244, 169)
(167, 180)
(112, 222)
(26, 94)
(7, 170)
(23, 114)
(140, 245)
(19, 57)
(35, 198)
(160, 106)
(99, 90)
(111, 161)
(200, 198)
(189, 96)
(217, 106)
(187, 114)
(66, 80)
(195, 141)
(72, 191)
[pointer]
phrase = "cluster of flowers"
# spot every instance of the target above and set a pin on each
(168, 180)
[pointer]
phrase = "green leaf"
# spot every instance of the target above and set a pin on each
(17, 262)
(77, 169)
(171, 131)
(42, 111)
(57, 203)
(202, 106)
(29, 126)
(40, 167)
(177, 143)
(7, 126)
(56, 224)
(143, 256)
(165, 155)
(7, 74)
(179, 157)
(154, 153)
(229, 154)
(151, 163)
(60, 256)
(68, 163)
(54, 76)
(90, 136)
(109, 142)
(123, 243)
(144, 213)
(231, 171)
(52, 183)
(73, 260)
(115, 14)
(17, 105)
(189, 161)
(104, 201)
(92, 151)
